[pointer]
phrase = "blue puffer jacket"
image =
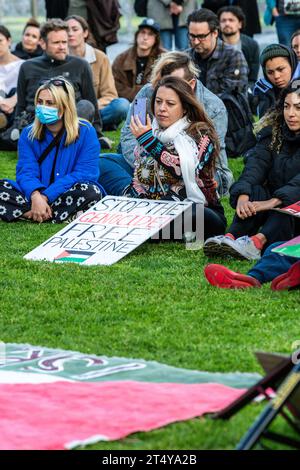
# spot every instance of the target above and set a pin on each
(76, 163)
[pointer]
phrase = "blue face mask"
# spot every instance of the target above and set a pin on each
(46, 114)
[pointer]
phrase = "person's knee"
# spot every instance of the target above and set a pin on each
(86, 110)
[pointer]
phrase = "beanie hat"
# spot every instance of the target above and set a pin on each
(278, 50)
(272, 51)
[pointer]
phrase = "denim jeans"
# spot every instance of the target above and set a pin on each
(285, 26)
(181, 39)
(271, 265)
(114, 113)
(115, 173)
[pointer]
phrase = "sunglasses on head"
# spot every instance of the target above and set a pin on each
(55, 82)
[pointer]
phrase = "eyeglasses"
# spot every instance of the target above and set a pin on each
(55, 82)
(199, 37)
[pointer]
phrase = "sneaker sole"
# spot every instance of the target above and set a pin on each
(222, 250)
(212, 249)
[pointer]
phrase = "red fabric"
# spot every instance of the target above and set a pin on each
(49, 416)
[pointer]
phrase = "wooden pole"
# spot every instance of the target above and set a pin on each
(34, 8)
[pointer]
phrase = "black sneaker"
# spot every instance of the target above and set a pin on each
(21, 121)
(105, 142)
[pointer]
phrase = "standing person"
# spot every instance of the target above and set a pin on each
(9, 71)
(232, 21)
(54, 61)
(56, 9)
(112, 109)
(103, 17)
(279, 64)
(295, 43)
(222, 68)
(176, 153)
(286, 15)
(249, 7)
(57, 169)
(270, 179)
(30, 46)
(132, 68)
(171, 15)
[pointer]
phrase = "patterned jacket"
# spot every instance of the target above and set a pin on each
(214, 108)
(158, 173)
(227, 69)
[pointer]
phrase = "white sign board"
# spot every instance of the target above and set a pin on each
(108, 231)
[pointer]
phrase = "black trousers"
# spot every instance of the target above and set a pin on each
(274, 225)
(80, 197)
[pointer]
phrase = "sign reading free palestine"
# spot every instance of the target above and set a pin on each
(110, 230)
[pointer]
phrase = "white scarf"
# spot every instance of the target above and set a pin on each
(187, 150)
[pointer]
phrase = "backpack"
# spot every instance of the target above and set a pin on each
(140, 7)
(240, 136)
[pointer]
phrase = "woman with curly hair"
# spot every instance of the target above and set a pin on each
(176, 153)
(270, 179)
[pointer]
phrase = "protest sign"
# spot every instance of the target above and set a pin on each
(293, 209)
(110, 230)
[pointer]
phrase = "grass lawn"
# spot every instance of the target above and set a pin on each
(155, 304)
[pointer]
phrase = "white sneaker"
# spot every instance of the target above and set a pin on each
(212, 246)
(241, 248)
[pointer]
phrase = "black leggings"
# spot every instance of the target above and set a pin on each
(273, 225)
(81, 196)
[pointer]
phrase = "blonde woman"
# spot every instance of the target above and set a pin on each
(57, 169)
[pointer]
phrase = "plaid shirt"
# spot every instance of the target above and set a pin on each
(227, 69)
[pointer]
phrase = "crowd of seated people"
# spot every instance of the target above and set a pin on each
(59, 95)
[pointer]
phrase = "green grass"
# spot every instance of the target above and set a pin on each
(154, 304)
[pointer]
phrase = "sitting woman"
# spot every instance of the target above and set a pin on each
(175, 158)
(112, 109)
(280, 65)
(29, 47)
(58, 168)
(270, 179)
(9, 72)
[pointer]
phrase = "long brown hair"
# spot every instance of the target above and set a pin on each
(200, 123)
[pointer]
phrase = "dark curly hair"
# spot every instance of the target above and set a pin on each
(275, 117)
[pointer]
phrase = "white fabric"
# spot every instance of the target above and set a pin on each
(89, 55)
(9, 75)
(187, 150)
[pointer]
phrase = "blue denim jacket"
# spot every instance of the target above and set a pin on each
(215, 109)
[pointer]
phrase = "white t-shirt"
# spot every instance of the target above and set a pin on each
(9, 76)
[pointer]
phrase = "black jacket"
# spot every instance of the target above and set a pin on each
(22, 54)
(74, 69)
(279, 172)
(250, 50)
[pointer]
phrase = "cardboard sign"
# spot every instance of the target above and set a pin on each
(293, 209)
(110, 230)
(290, 248)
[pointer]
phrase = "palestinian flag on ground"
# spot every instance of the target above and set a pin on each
(55, 399)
